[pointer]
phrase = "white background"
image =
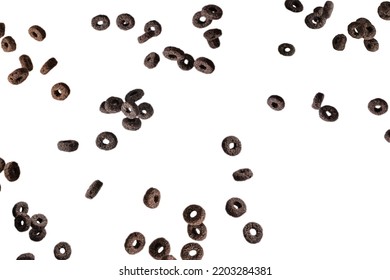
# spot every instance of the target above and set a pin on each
(320, 190)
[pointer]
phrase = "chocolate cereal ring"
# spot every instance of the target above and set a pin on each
(68, 145)
(231, 145)
(151, 60)
(8, 44)
(356, 30)
(204, 65)
(159, 248)
(145, 37)
(152, 198)
(102, 108)
(317, 101)
(286, 49)
(199, 20)
(19, 208)
(198, 232)
(212, 12)
(25, 62)
(328, 9)
(242, 174)
(100, 22)
(198, 218)
(168, 258)
(173, 53)
(186, 62)
(387, 135)
(130, 109)
(185, 253)
(22, 222)
(146, 111)
(328, 113)
(314, 21)
(48, 65)
(37, 234)
(339, 41)
(93, 189)
(318, 11)
(106, 141)
(235, 207)
(134, 95)
(384, 10)
(134, 243)
(18, 76)
(62, 251)
(2, 165)
(253, 238)
(276, 102)
(212, 34)
(113, 104)
(60, 91)
(36, 32)
(378, 106)
(294, 6)
(38, 221)
(2, 29)
(125, 21)
(371, 45)
(26, 257)
(153, 26)
(12, 171)
(132, 124)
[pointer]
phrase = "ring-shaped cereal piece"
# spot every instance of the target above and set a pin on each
(199, 20)
(212, 12)
(38, 221)
(185, 253)
(68, 145)
(231, 145)
(235, 207)
(36, 32)
(12, 171)
(328, 113)
(62, 251)
(242, 174)
(20, 207)
(276, 102)
(204, 65)
(22, 222)
(108, 137)
(197, 232)
(125, 21)
(294, 6)
(253, 238)
(134, 243)
(378, 106)
(152, 198)
(100, 22)
(198, 218)
(132, 124)
(60, 91)
(37, 234)
(159, 248)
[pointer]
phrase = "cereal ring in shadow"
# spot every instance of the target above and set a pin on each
(19, 208)
(25, 62)
(198, 232)
(18, 76)
(378, 106)
(125, 21)
(106, 141)
(36, 32)
(62, 251)
(159, 248)
(339, 41)
(100, 22)
(253, 238)
(384, 10)
(60, 91)
(317, 101)
(22, 222)
(130, 109)
(48, 65)
(314, 21)
(318, 11)
(93, 189)
(38, 221)
(146, 111)
(212, 12)
(12, 171)
(8, 44)
(132, 124)
(294, 6)
(186, 62)
(231, 145)
(328, 9)
(152, 198)
(134, 243)
(200, 21)
(328, 113)
(168, 258)
(186, 251)
(286, 49)
(242, 174)
(387, 135)
(134, 95)
(26, 257)
(113, 104)
(151, 60)
(276, 102)
(235, 207)
(2, 29)
(204, 65)
(371, 45)
(194, 214)
(37, 234)
(68, 145)
(173, 53)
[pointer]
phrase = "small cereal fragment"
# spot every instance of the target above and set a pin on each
(68, 145)
(125, 21)
(152, 198)
(235, 207)
(328, 113)
(253, 238)
(294, 6)
(168, 258)
(26, 257)
(37, 32)
(276, 102)
(37, 234)
(132, 124)
(197, 232)
(60, 91)
(62, 251)
(100, 22)
(185, 253)
(48, 65)
(38, 221)
(194, 214)
(286, 49)
(8, 44)
(134, 243)
(378, 106)
(159, 248)
(12, 171)
(242, 174)
(317, 101)
(25, 62)
(384, 10)
(204, 65)
(151, 60)
(22, 222)
(93, 189)
(231, 145)
(20, 207)
(339, 41)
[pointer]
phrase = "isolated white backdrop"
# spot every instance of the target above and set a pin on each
(319, 190)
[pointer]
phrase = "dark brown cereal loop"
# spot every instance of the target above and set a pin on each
(37, 234)
(132, 124)
(286, 49)
(100, 22)
(68, 145)
(384, 10)
(200, 21)
(125, 21)
(2, 164)
(371, 45)
(378, 106)
(204, 65)
(37, 32)
(168, 258)
(153, 26)
(134, 95)
(212, 12)
(317, 101)
(22, 222)
(356, 30)
(235, 207)
(152, 198)
(106, 141)
(134, 243)
(293, 6)
(26, 257)
(242, 174)
(159, 248)
(328, 113)
(369, 30)
(2, 29)
(151, 60)
(339, 41)
(25, 62)
(102, 108)
(38, 221)
(387, 135)
(198, 232)
(186, 62)
(314, 21)
(62, 251)
(130, 109)
(8, 44)
(257, 236)
(18, 76)
(328, 9)
(48, 65)
(113, 104)
(145, 37)
(276, 102)
(318, 11)
(192, 251)
(197, 218)
(231, 145)
(20, 207)
(212, 34)
(93, 189)
(12, 171)
(173, 53)
(60, 91)
(214, 44)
